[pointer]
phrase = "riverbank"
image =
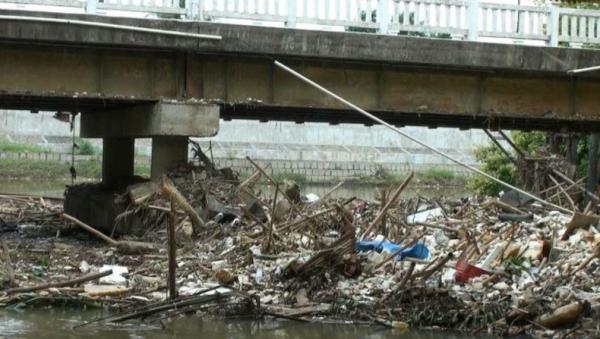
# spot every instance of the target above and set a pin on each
(53, 167)
(475, 265)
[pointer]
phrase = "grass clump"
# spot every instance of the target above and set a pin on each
(438, 175)
(42, 169)
(13, 147)
(86, 148)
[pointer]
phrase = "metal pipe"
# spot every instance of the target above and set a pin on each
(433, 149)
(583, 70)
(111, 26)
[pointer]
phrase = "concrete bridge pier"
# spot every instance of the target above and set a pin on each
(166, 151)
(117, 160)
(169, 124)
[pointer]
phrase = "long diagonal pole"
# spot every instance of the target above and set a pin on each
(431, 148)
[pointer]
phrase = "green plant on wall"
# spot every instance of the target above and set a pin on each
(495, 163)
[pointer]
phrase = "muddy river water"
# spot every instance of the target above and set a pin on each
(363, 191)
(58, 324)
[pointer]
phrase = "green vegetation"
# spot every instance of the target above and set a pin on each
(42, 169)
(494, 162)
(432, 176)
(85, 148)
(141, 169)
(22, 168)
(52, 169)
(88, 169)
(440, 176)
(13, 147)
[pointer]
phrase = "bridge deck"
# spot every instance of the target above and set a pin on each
(407, 80)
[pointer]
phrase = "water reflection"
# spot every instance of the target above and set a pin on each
(363, 191)
(58, 323)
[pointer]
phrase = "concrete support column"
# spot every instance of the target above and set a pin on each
(117, 160)
(166, 151)
(592, 175)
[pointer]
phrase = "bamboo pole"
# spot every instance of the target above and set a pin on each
(71, 282)
(433, 149)
(172, 252)
(387, 206)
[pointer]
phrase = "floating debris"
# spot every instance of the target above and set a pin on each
(244, 248)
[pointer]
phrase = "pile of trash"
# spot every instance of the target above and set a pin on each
(472, 264)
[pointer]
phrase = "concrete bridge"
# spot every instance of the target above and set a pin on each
(129, 84)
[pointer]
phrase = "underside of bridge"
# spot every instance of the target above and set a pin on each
(129, 84)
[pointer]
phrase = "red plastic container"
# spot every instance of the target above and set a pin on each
(466, 271)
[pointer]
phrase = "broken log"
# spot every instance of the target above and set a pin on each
(8, 263)
(567, 179)
(588, 260)
(138, 193)
(90, 229)
(65, 283)
(562, 316)
(579, 221)
(124, 247)
(389, 204)
(172, 252)
(514, 217)
(169, 189)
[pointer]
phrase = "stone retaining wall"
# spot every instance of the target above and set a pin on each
(321, 171)
(310, 171)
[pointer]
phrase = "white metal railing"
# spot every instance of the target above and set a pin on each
(464, 19)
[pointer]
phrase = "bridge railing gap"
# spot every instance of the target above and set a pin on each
(456, 19)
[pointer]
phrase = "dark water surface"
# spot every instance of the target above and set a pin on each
(364, 191)
(58, 323)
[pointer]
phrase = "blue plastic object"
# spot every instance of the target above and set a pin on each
(419, 250)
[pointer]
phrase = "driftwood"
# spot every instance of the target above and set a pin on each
(300, 221)
(285, 312)
(562, 316)
(139, 193)
(173, 193)
(567, 179)
(579, 221)
(71, 282)
(441, 263)
(124, 247)
(407, 276)
(8, 263)
(172, 252)
(562, 190)
(514, 217)
(176, 304)
(389, 204)
(589, 259)
(508, 207)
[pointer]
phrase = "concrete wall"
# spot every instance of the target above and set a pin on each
(314, 150)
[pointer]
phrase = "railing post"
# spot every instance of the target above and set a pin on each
(383, 16)
(189, 10)
(554, 23)
(90, 6)
(291, 13)
(472, 20)
(192, 9)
